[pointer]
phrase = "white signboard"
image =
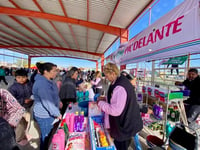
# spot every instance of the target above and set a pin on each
(176, 33)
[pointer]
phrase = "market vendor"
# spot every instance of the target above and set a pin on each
(143, 108)
(192, 83)
(122, 114)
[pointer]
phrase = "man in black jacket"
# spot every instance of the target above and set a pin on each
(192, 83)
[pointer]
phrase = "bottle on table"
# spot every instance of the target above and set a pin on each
(81, 121)
(76, 122)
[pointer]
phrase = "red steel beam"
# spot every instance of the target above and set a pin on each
(18, 51)
(53, 47)
(40, 8)
(15, 43)
(117, 4)
(11, 40)
(49, 51)
(44, 31)
(24, 51)
(31, 50)
(149, 4)
(56, 52)
(67, 57)
(70, 27)
(27, 28)
(14, 37)
(18, 32)
(40, 51)
(59, 34)
(34, 14)
(33, 21)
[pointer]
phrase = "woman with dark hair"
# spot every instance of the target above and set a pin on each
(32, 78)
(68, 89)
(46, 100)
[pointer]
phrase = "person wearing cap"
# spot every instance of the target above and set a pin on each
(122, 114)
(143, 108)
(192, 83)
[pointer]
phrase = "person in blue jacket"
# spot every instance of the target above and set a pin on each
(46, 101)
(21, 89)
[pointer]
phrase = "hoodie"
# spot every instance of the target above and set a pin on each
(21, 91)
(46, 99)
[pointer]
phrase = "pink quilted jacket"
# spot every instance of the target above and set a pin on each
(12, 111)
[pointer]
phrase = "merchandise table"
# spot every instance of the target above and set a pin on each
(92, 137)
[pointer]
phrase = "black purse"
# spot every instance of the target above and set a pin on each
(180, 139)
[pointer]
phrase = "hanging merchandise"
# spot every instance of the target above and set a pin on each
(158, 111)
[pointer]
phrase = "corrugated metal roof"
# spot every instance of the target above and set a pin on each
(83, 28)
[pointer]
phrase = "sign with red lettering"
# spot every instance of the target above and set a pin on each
(174, 34)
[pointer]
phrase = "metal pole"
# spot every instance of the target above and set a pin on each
(153, 73)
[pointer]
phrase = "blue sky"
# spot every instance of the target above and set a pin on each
(161, 8)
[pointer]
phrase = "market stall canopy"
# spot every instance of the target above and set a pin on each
(81, 29)
(177, 33)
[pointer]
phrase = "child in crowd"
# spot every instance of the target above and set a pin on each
(82, 94)
(88, 87)
(21, 89)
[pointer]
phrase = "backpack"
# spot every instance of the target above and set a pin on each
(7, 136)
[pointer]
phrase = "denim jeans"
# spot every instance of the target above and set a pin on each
(45, 125)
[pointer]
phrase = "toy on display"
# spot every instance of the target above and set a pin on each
(144, 89)
(163, 95)
(158, 111)
(76, 141)
(94, 110)
(99, 137)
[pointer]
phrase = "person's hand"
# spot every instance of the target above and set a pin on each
(60, 105)
(178, 83)
(28, 101)
(59, 117)
(101, 98)
(92, 105)
(150, 111)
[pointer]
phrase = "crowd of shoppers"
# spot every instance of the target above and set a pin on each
(50, 91)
